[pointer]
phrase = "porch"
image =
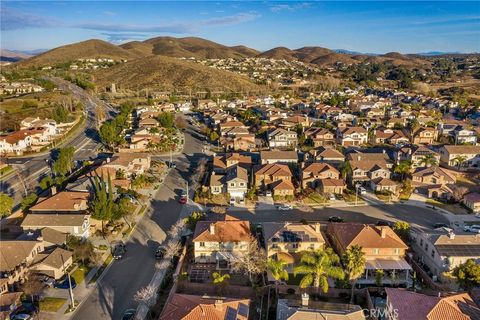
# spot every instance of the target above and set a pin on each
(394, 272)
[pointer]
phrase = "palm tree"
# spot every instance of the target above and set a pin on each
(345, 169)
(428, 160)
(459, 160)
(403, 168)
(317, 266)
(354, 262)
(277, 268)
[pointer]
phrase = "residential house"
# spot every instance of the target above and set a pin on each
(228, 160)
(216, 242)
(234, 182)
(383, 185)
(460, 156)
(464, 136)
(53, 264)
(294, 121)
(286, 241)
(229, 125)
(294, 309)
(420, 153)
(441, 250)
(472, 201)
(371, 157)
(364, 171)
(49, 124)
(432, 175)
(269, 173)
(422, 135)
(16, 142)
(325, 155)
(131, 164)
(403, 304)
(320, 137)
(281, 138)
(388, 136)
(148, 123)
(277, 156)
(351, 136)
(242, 142)
(282, 188)
(313, 173)
(383, 249)
(76, 224)
(191, 307)
(72, 202)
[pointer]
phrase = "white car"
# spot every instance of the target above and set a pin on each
(268, 193)
(232, 201)
(362, 190)
(331, 197)
(474, 228)
(285, 207)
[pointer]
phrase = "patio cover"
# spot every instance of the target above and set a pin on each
(224, 256)
(387, 264)
(285, 257)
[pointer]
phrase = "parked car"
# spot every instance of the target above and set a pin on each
(285, 207)
(268, 193)
(65, 284)
(183, 200)
(473, 228)
(48, 281)
(332, 197)
(362, 190)
(381, 223)
(119, 250)
(22, 316)
(335, 219)
(241, 201)
(172, 165)
(160, 253)
(232, 201)
(129, 314)
(440, 225)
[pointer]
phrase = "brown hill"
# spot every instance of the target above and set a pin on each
(85, 49)
(167, 73)
(308, 54)
(12, 56)
(246, 51)
(138, 48)
(196, 47)
(278, 53)
(332, 58)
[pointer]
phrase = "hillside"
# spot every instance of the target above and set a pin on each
(279, 53)
(85, 49)
(167, 73)
(12, 56)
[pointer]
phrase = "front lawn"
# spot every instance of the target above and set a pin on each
(51, 304)
(80, 273)
(316, 199)
(463, 181)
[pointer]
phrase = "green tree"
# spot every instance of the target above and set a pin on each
(354, 263)
(60, 114)
(317, 266)
(83, 250)
(428, 160)
(277, 268)
(213, 136)
(46, 182)
(28, 201)
(63, 164)
(109, 135)
(402, 229)
(403, 168)
(220, 281)
(345, 169)
(6, 205)
(379, 277)
(193, 218)
(468, 274)
(166, 119)
(102, 203)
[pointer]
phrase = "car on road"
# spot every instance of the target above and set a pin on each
(172, 165)
(129, 314)
(473, 228)
(362, 190)
(65, 284)
(285, 207)
(22, 316)
(440, 225)
(119, 250)
(183, 199)
(160, 253)
(335, 219)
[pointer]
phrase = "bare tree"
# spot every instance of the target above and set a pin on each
(33, 285)
(176, 229)
(162, 264)
(145, 294)
(459, 193)
(180, 122)
(172, 248)
(250, 262)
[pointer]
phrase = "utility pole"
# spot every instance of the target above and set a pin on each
(187, 191)
(69, 283)
(356, 194)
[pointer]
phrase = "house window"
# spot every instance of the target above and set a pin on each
(376, 251)
(232, 184)
(242, 184)
(202, 244)
(203, 255)
(426, 247)
(397, 251)
(295, 245)
(433, 253)
(312, 246)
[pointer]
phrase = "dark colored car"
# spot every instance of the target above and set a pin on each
(65, 285)
(129, 314)
(119, 250)
(183, 200)
(335, 219)
(440, 225)
(160, 253)
(384, 224)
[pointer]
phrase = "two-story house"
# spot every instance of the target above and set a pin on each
(130, 163)
(351, 136)
(384, 250)
(424, 135)
(281, 138)
(325, 155)
(234, 182)
(277, 156)
(460, 156)
(313, 173)
(269, 173)
(228, 160)
(320, 137)
(216, 242)
(285, 241)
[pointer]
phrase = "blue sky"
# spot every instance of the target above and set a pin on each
(376, 26)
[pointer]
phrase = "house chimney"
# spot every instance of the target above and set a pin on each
(359, 158)
(383, 232)
(305, 298)
(219, 305)
(451, 235)
(108, 160)
(53, 190)
(317, 227)
(212, 228)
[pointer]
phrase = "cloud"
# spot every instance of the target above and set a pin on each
(229, 20)
(290, 7)
(119, 38)
(14, 20)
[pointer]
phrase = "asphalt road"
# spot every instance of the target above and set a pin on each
(115, 291)
(31, 169)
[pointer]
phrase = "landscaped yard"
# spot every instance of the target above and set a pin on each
(453, 208)
(315, 199)
(468, 183)
(80, 273)
(350, 198)
(51, 304)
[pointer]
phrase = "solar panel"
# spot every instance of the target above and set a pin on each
(231, 314)
(243, 310)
